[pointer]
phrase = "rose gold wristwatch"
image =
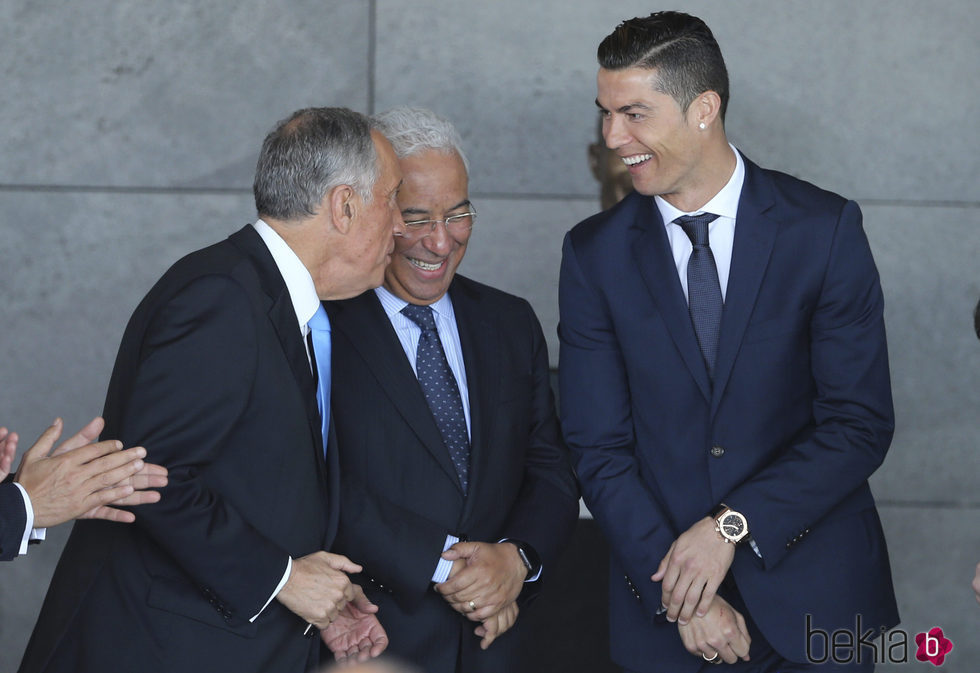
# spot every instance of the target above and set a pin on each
(731, 524)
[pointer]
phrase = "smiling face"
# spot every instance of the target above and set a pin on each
(661, 145)
(435, 186)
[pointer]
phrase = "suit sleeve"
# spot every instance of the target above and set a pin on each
(853, 419)
(13, 521)
(194, 377)
(598, 427)
(547, 506)
(398, 547)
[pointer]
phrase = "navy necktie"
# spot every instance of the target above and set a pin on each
(703, 289)
(320, 355)
(440, 390)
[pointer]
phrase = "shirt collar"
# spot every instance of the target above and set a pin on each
(393, 304)
(723, 204)
(299, 282)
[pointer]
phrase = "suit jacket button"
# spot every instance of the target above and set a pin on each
(717, 451)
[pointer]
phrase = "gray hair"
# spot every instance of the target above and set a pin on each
(308, 154)
(412, 130)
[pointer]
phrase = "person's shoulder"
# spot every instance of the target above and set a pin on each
(221, 263)
(615, 222)
(795, 193)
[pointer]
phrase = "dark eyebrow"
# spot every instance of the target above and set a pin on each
(625, 108)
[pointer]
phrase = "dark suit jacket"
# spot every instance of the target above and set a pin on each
(13, 518)
(799, 416)
(400, 492)
(212, 378)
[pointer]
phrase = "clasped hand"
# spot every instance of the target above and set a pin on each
(692, 570)
(721, 632)
(490, 576)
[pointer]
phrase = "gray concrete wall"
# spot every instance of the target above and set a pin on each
(131, 129)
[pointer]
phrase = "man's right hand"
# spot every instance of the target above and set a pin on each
(318, 587)
(721, 632)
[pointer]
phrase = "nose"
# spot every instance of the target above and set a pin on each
(397, 222)
(614, 131)
(439, 241)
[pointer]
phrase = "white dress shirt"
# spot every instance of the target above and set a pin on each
(302, 292)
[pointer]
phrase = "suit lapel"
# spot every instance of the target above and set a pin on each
(282, 315)
(755, 234)
(364, 323)
(478, 338)
(653, 257)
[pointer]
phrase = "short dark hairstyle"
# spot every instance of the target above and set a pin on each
(308, 154)
(679, 46)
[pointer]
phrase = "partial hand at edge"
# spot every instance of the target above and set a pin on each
(318, 587)
(8, 448)
(692, 571)
(976, 583)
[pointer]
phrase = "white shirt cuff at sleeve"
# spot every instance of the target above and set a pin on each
(29, 532)
(282, 583)
(443, 567)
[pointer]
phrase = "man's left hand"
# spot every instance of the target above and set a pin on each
(692, 570)
(356, 634)
(493, 627)
(489, 575)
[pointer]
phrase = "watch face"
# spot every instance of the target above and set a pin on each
(732, 526)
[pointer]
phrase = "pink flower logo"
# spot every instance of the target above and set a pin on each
(933, 646)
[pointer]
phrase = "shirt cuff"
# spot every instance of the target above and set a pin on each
(441, 573)
(29, 532)
(282, 583)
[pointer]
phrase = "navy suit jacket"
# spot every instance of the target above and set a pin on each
(212, 378)
(13, 519)
(798, 417)
(400, 492)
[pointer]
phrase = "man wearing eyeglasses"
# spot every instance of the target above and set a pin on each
(457, 493)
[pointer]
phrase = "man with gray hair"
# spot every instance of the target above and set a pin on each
(223, 373)
(457, 492)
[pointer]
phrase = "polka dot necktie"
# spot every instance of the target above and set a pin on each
(440, 390)
(703, 289)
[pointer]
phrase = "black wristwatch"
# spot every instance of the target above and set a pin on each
(528, 556)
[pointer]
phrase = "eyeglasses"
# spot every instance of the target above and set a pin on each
(456, 225)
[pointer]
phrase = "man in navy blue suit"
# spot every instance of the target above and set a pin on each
(724, 383)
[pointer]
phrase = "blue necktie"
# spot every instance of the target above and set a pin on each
(703, 289)
(320, 336)
(440, 390)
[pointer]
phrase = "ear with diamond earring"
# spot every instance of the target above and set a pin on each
(702, 126)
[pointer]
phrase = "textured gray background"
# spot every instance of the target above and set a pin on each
(130, 132)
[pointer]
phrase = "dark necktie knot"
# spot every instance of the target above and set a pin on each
(421, 316)
(696, 227)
